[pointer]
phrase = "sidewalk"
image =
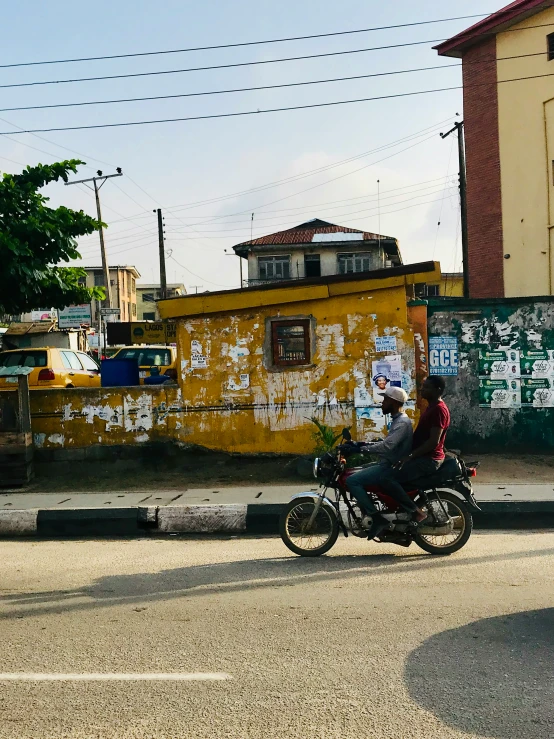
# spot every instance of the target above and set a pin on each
(232, 510)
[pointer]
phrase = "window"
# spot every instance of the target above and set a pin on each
(148, 297)
(88, 363)
(274, 268)
(148, 316)
(99, 279)
(312, 265)
(550, 46)
(23, 359)
(83, 281)
(290, 341)
(432, 291)
(348, 263)
(133, 285)
(71, 361)
(134, 309)
(147, 357)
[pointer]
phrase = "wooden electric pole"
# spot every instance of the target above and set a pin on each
(459, 128)
(161, 240)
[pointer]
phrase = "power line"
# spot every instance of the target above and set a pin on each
(198, 276)
(232, 90)
(219, 66)
(239, 44)
(266, 110)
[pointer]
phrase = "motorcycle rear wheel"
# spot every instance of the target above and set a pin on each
(447, 544)
(314, 542)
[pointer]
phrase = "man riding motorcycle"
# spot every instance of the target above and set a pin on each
(396, 446)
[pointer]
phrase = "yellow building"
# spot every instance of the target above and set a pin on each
(255, 365)
(508, 67)
(123, 281)
(450, 285)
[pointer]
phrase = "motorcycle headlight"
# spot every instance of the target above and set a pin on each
(316, 467)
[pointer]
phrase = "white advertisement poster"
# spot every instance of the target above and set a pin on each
(198, 361)
(385, 373)
(242, 384)
(195, 347)
(74, 316)
(385, 343)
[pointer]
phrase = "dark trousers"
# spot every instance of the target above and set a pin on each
(393, 480)
(357, 483)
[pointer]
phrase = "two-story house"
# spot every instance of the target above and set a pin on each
(314, 249)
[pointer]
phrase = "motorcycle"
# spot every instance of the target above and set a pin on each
(312, 521)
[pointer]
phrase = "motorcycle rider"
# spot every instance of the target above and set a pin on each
(390, 450)
(427, 454)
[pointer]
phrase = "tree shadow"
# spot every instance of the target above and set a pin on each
(493, 677)
(235, 576)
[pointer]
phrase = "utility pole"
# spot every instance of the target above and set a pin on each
(163, 278)
(105, 267)
(459, 128)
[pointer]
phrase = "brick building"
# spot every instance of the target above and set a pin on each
(507, 62)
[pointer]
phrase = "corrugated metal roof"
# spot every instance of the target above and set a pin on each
(304, 233)
(39, 327)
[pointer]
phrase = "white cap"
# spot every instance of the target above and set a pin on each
(396, 393)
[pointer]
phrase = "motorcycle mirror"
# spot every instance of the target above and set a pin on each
(346, 435)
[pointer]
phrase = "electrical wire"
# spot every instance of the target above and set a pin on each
(198, 276)
(267, 110)
(239, 44)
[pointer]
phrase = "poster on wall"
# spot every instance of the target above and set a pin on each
(198, 361)
(385, 343)
(537, 363)
(537, 393)
(499, 364)
(499, 393)
(385, 373)
(443, 355)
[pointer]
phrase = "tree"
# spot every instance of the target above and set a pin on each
(35, 238)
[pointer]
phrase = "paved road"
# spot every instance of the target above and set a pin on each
(368, 641)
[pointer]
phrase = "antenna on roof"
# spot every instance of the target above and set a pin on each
(379, 215)
(251, 226)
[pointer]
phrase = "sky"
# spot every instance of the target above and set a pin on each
(210, 175)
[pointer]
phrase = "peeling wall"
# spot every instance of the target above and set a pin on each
(523, 324)
(239, 403)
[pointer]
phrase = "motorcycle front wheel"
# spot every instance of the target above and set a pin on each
(305, 534)
(462, 526)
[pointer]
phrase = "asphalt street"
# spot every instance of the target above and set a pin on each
(237, 637)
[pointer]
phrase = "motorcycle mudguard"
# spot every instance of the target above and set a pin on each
(315, 497)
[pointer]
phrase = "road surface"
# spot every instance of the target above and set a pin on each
(237, 638)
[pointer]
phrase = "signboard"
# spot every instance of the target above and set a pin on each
(385, 344)
(537, 363)
(110, 311)
(153, 333)
(443, 355)
(499, 393)
(499, 364)
(74, 316)
(538, 393)
(43, 314)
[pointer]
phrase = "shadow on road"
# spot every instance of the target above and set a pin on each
(493, 677)
(237, 576)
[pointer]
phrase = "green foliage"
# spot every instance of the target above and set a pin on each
(35, 238)
(324, 437)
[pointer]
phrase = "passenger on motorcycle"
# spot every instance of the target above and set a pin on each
(427, 454)
(396, 446)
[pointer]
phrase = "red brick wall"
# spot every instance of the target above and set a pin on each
(484, 204)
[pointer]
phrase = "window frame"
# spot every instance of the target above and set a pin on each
(275, 360)
(550, 46)
(273, 259)
(346, 257)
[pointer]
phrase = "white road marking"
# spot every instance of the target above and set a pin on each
(103, 676)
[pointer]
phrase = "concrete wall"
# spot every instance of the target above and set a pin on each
(526, 135)
(501, 324)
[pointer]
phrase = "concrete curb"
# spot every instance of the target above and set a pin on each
(248, 519)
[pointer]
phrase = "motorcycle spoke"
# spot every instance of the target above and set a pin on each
(320, 530)
(442, 541)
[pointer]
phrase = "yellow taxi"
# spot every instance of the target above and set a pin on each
(52, 367)
(161, 356)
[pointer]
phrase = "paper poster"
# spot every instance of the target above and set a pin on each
(243, 384)
(385, 344)
(385, 373)
(195, 347)
(537, 393)
(499, 365)
(443, 355)
(499, 393)
(198, 361)
(538, 363)
(374, 415)
(363, 398)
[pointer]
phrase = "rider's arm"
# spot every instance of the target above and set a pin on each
(427, 446)
(396, 436)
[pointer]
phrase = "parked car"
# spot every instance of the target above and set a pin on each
(164, 357)
(52, 367)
